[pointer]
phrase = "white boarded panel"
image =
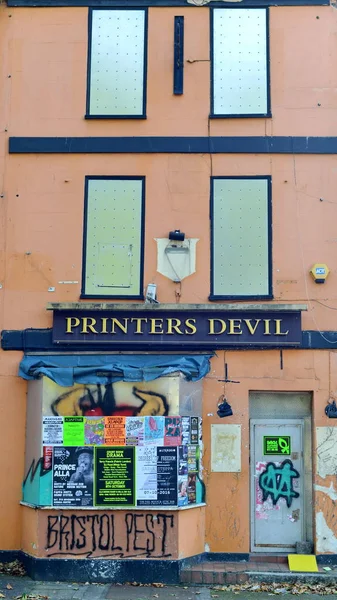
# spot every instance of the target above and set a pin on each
(240, 76)
(113, 237)
(117, 63)
(240, 237)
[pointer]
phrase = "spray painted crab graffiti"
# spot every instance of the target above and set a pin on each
(121, 398)
(98, 400)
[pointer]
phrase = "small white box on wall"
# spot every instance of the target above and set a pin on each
(226, 448)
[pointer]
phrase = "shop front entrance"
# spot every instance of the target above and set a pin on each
(279, 487)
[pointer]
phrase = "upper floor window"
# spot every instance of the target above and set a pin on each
(117, 56)
(241, 238)
(240, 62)
(113, 247)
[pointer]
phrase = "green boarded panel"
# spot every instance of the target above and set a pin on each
(240, 237)
(117, 86)
(113, 237)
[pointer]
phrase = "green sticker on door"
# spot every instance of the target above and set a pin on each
(275, 444)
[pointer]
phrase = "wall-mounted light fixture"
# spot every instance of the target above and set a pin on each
(224, 409)
(176, 235)
(331, 410)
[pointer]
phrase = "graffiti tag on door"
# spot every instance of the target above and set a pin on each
(277, 482)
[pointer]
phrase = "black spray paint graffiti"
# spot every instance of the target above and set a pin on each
(98, 400)
(277, 482)
(139, 534)
(36, 467)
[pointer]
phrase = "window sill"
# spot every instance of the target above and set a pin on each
(105, 508)
(243, 116)
(108, 297)
(91, 117)
(215, 297)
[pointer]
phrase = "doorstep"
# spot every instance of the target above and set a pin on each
(272, 569)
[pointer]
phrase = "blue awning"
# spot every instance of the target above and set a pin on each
(66, 370)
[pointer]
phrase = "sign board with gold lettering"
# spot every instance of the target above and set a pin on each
(166, 329)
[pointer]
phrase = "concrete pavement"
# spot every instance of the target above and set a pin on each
(24, 588)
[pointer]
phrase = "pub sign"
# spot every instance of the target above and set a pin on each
(166, 329)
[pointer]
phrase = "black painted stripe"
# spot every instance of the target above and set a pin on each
(178, 145)
(40, 340)
(143, 3)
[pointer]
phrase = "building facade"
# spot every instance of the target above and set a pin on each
(168, 283)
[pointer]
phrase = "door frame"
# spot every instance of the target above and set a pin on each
(252, 481)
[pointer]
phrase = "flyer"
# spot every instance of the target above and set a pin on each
(185, 430)
(52, 430)
(191, 488)
(114, 476)
(167, 471)
(183, 460)
(94, 431)
(182, 490)
(172, 431)
(193, 459)
(134, 431)
(72, 476)
(194, 430)
(147, 480)
(200, 433)
(114, 431)
(47, 457)
(73, 431)
(154, 431)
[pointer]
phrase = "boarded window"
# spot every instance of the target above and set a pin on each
(241, 237)
(240, 69)
(113, 237)
(117, 63)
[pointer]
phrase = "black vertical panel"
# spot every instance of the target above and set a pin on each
(178, 65)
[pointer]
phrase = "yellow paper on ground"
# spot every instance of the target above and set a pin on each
(302, 562)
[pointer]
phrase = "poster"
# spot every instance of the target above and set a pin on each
(225, 448)
(147, 480)
(191, 488)
(183, 460)
(73, 431)
(114, 476)
(94, 431)
(194, 430)
(185, 430)
(172, 435)
(72, 476)
(114, 431)
(52, 430)
(134, 431)
(200, 434)
(182, 490)
(47, 457)
(276, 444)
(154, 431)
(167, 471)
(193, 459)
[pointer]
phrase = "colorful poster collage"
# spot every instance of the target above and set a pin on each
(122, 461)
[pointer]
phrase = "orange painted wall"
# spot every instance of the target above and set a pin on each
(47, 61)
(44, 224)
(43, 74)
(228, 498)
